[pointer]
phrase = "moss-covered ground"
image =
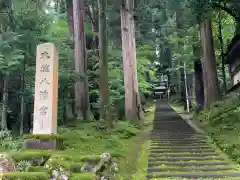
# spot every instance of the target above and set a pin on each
(85, 141)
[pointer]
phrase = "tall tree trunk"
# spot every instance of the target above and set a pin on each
(132, 98)
(211, 87)
(180, 74)
(134, 60)
(69, 4)
(103, 52)
(81, 86)
(93, 13)
(199, 89)
(4, 105)
(222, 53)
(22, 99)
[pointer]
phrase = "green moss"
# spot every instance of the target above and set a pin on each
(82, 176)
(142, 163)
(126, 131)
(67, 165)
(64, 157)
(65, 162)
(43, 137)
(90, 158)
(26, 176)
(31, 154)
(84, 143)
(37, 169)
(117, 154)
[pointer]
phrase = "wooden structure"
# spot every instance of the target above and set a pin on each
(233, 61)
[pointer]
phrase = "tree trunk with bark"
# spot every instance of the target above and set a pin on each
(132, 97)
(4, 105)
(81, 86)
(199, 88)
(22, 114)
(211, 87)
(180, 74)
(69, 4)
(103, 52)
(224, 86)
(93, 14)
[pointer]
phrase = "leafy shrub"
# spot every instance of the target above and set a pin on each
(126, 130)
(23, 165)
(8, 141)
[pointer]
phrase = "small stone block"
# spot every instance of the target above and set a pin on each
(43, 141)
(39, 144)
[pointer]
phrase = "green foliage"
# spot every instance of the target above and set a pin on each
(124, 130)
(224, 113)
(7, 141)
(221, 122)
(23, 165)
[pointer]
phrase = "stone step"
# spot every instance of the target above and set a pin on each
(185, 164)
(172, 146)
(178, 141)
(175, 120)
(177, 138)
(175, 159)
(182, 150)
(159, 129)
(179, 147)
(174, 135)
(176, 126)
(182, 128)
(177, 144)
(168, 131)
(186, 154)
(188, 169)
(194, 175)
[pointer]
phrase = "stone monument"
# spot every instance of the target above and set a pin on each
(46, 90)
(46, 95)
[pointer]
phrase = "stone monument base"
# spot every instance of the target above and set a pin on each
(42, 142)
(39, 144)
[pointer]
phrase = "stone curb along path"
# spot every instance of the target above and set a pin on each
(178, 151)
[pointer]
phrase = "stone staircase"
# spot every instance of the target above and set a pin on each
(178, 151)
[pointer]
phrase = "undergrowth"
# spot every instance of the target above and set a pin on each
(222, 123)
(87, 139)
